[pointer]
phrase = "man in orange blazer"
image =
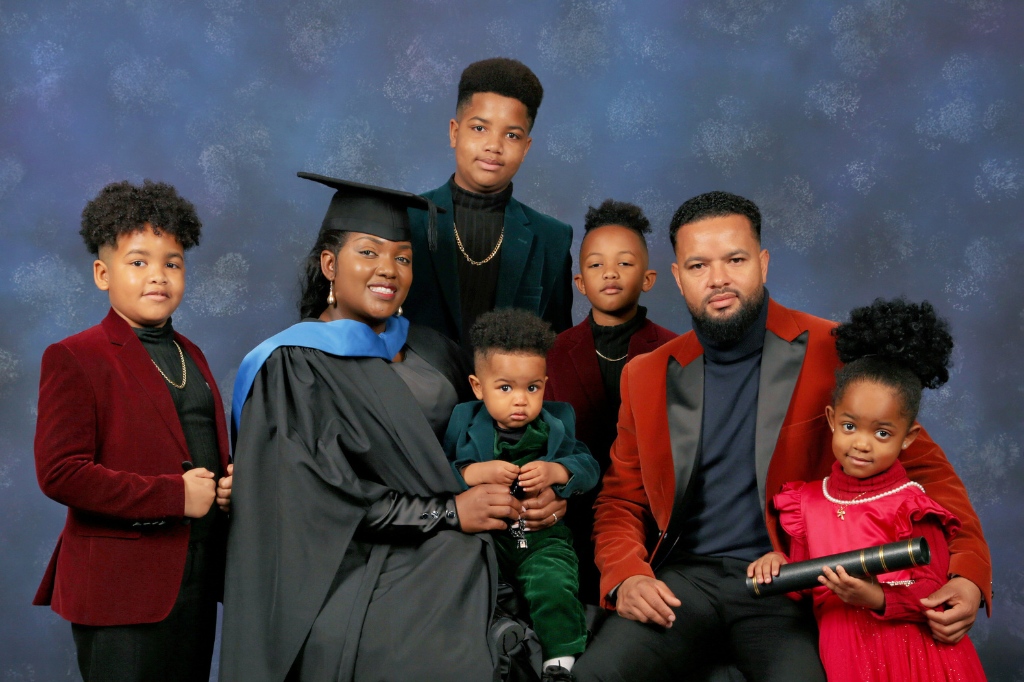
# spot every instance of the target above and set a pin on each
(711, 425)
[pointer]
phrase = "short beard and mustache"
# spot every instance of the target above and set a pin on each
(728, 330)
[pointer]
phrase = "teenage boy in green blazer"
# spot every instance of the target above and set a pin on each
(489, 250)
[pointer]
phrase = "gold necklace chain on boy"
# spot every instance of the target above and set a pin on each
(463, 250)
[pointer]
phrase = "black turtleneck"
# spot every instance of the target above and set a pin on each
(613, 342)
(479, 220)
(194, 405)
(724, 517)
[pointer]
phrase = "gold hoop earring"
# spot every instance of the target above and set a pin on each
(330, 296)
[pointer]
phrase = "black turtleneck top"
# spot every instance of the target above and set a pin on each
(195, 407)
(724, 517)
(479, 221)
(613, 342)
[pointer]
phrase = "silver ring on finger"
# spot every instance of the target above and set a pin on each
(555, 516)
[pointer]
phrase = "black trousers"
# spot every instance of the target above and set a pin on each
(177, 649)
(767, 639)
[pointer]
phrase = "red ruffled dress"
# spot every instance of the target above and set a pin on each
(857, 644)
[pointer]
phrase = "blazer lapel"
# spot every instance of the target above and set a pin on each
(515, 252)
(584, 362)
(444, 258)
(781, 361)
(644, 340)
(135, 358)
(684, 399)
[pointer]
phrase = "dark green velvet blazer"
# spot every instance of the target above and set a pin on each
(535, 271)
(470, 438)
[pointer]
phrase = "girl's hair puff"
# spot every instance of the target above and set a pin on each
(899, 344)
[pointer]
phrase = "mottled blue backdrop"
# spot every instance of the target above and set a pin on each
(883, 139)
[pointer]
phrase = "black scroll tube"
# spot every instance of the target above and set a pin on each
(802, 575)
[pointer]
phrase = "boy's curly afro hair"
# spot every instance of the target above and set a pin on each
(503, 76)
(903, 345)
(511, 330)
(612, 212)
(121, 208)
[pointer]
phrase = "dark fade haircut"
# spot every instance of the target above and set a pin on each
(122, 208)
(612, 212)
(715, 205)
(505, 77)
(513, 331)
(898, 344)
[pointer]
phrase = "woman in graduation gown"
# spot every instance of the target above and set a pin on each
(351, 554)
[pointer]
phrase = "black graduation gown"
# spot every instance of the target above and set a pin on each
(321, 439)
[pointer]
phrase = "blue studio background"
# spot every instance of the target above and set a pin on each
(883, 140)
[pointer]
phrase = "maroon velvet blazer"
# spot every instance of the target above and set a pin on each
(655, 448)
(109, 445)
(574, 378)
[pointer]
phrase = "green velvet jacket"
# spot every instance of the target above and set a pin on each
(470, 438)
(535, 270)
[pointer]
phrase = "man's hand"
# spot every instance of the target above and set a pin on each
(200, 491)
(485, 506)
(537, 475)
(647, 600)
(493, 471)
(543, 510)
(852, 590)
(224, 490)
(767, 567)
(962, 599)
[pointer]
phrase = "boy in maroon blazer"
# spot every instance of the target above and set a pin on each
(586, 361)
(131, 437)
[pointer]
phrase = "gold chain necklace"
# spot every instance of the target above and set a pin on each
(602, 355)
(184, 375)
(463, 250)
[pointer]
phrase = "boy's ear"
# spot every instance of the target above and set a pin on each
(478, 390)
(101, 275)
(650, 276)
(453, 132)
(580, 286)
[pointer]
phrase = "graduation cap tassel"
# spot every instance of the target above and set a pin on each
(432, 226)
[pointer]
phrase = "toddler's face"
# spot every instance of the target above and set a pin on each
(144, 276)
(511, 386)
(868, 428)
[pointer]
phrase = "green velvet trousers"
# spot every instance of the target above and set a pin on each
(546, 574)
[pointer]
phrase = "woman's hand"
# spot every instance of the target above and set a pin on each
(767, 567)
(537, 475)
(543, 510)
(494, 471)
(485, 507)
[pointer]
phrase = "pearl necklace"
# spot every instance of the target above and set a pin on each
(841, 512)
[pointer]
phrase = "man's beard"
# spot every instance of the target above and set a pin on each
(728, 330)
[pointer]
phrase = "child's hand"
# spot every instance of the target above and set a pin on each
(494, 471)
(767, 567)
(853, 591)
(224, 490)
(200, 491)
(537, 475)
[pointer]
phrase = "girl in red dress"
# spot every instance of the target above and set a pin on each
(874, 628)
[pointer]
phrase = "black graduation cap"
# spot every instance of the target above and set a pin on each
(374, 210)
